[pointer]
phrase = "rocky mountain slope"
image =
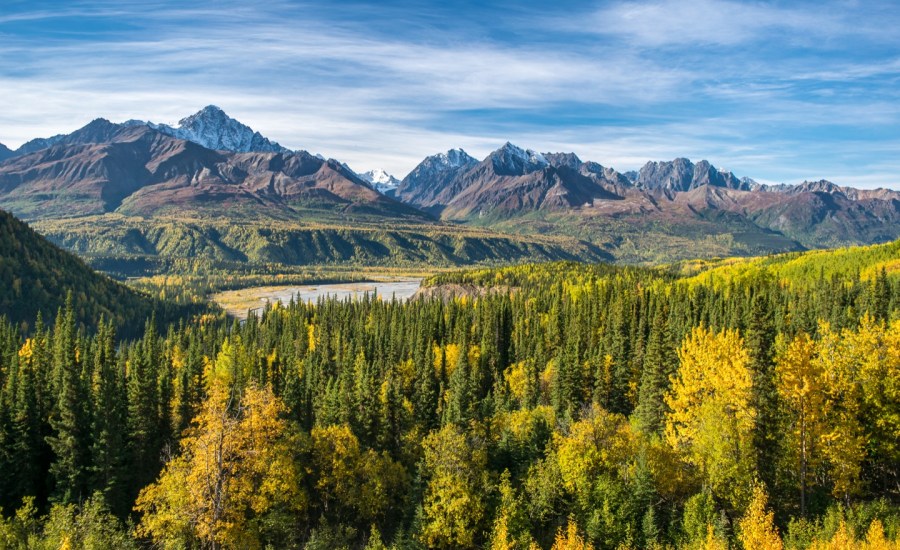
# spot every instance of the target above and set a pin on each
(433, 177)
(5, 152)
(683, 175)
(520, 189)
(136, 169)
(212, 166)
(213, 129)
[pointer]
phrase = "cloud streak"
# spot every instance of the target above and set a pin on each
(384, 85)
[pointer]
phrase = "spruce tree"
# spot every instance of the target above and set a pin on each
(660, 362)
(69, 421)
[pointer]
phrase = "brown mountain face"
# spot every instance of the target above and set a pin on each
(678, 194)
(511, 181)
(137, 170)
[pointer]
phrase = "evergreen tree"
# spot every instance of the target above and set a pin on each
(70, 438)
(109, 422)
(143, 409)
(760, 344)
(660, 364)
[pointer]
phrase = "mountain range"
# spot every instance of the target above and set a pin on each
(513, 182)
(212, 166)
(137, 169)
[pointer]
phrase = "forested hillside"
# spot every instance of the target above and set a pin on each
(35, 277)
(135, 246)
(567, 406)
(863, 262)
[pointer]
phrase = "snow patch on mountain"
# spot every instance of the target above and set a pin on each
(213, 129)
(380, 180)
(511, 159)
(454, 158)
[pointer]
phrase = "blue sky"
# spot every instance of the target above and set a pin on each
(779, 91)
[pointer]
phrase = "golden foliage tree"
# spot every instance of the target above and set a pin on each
(236, 465)
(713, 541)
(757, 527)
(454, 499)
(843, 442)
(799, 381)
(711, 416)
(350, 480)
(570, 539)
(602, 442)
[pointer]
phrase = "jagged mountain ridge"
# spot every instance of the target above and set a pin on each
(508, 181)
(683, 175)
(98, 130)
(213, 129)
(432, 176)
(513, 182)
(210, 127)
(136, 169)
(91, 170)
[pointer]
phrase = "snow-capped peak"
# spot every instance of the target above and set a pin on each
(454, 158)
(379, 176)
(213, 129)
(511, 159)
(381, 180)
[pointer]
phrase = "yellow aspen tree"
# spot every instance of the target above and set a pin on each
(843, 441)
(876, 349)
(236, 464)
(500, 540)
(713, 541)
(570, 539)
(602, 442)
(799, 383)
(711, 416)
(843, 539)
(757, 527)
(454, 498)
(875, 539)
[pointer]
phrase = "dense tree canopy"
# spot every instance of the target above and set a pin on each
(558, 405)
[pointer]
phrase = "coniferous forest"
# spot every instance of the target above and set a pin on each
(559, 405)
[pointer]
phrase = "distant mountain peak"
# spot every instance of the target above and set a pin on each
(513, 160)
(820, 186)
(569, 160)
(379, 176)
(453, 158)
(208, 114)
(681, 174)
(5, 152)
(212, 128)
(380, 180)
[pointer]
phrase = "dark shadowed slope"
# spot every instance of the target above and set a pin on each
(35, 276)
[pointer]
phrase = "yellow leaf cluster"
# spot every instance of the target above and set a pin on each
(236, 463)
(757, 527)
(570, 539)
(602, 442)
(711, 416)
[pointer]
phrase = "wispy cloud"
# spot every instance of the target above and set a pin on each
(745, 84)
(696, 23)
